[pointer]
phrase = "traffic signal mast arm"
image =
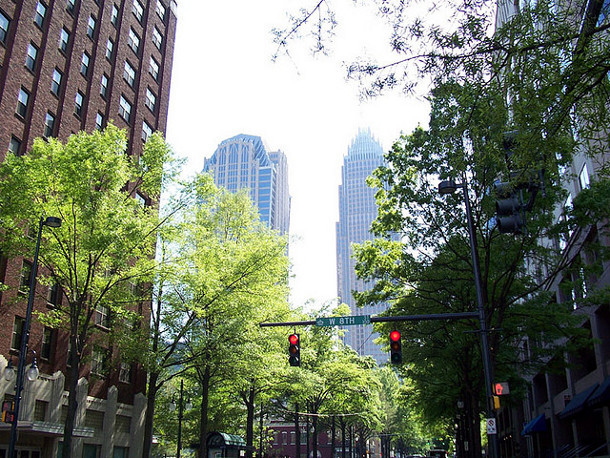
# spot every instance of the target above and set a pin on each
(387, 319)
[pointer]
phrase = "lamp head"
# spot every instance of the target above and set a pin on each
(52, 221)
(447, 187)
(9, 371)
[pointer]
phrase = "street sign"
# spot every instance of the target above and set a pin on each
(491, 426)
(344, 320)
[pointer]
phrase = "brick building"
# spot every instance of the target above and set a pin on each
(283, 443)
(67, 66)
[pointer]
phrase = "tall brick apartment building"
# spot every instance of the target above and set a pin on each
(67, 66)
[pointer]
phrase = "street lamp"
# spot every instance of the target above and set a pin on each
(50, 221)
(449, 187)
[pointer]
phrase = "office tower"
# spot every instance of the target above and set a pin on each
(357, 210)
(244, 162)
(67, 66)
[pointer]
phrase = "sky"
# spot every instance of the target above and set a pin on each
(224, 83)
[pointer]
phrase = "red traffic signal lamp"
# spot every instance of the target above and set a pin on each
(395, 348)
(294, 350)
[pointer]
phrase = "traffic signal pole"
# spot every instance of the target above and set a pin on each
(492, 438)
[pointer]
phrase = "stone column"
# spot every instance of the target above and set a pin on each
(109, 423)
(137, 426)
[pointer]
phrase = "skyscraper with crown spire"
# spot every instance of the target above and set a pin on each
(357, 210)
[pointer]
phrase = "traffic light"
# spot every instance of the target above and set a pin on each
(294, 350)
(395, 348)
(510, 210)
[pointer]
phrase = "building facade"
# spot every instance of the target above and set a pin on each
(567, 412)
(243, 162)
(68, 66)
(283, 441)
(357, 210)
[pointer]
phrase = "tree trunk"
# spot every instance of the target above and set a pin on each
(250, 421)
(333, 433)
(297, 431)
(203, 422)
(343, 454)
(315, 434)
(74, 359)
(151, 394)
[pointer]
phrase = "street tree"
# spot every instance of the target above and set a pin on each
(105, 245)
(237, 278)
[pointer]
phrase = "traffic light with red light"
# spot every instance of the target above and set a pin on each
(294, 350)
(395, 348)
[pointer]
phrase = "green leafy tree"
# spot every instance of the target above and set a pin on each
(106, 243)
(237, 278)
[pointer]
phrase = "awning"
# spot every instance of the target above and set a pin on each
(221, 440)
(601, 395)
(579, 402)
(537, 425)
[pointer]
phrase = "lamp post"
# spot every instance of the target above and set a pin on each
(50, 221)
(181, 405)
(449, 187)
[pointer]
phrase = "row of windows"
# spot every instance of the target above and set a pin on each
(125, 108)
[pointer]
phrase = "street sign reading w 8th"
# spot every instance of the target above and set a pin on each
(344, 320)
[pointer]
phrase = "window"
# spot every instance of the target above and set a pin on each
(64, 38)
(129, 73)
(146, 130)
(84, 64)
(70, 4)
(17, 333)
(293, 436)
(14, 146)
(583, 177)
(125, 373)
(56, 82)
(138, 10)
(120, 452)
(78, 104)
(99, 121)
(109, 48)
(104, 85)
(26, 274)
(41, 11)
(114, 17)
(46, 350)
(125, 109)
(99, 361)
(54, 295)
(157, 38)
(134, 41)
(151, 99)
(22, 102)
(4, 23)
(160, 10)
(101, 316)
(284, 437)
(49, 125)
(91, 27)
(153, 68)
(30, 59)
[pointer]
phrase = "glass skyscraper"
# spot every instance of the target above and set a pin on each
(242, 162)
(357, 210)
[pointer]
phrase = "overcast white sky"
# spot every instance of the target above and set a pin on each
(224, 84)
